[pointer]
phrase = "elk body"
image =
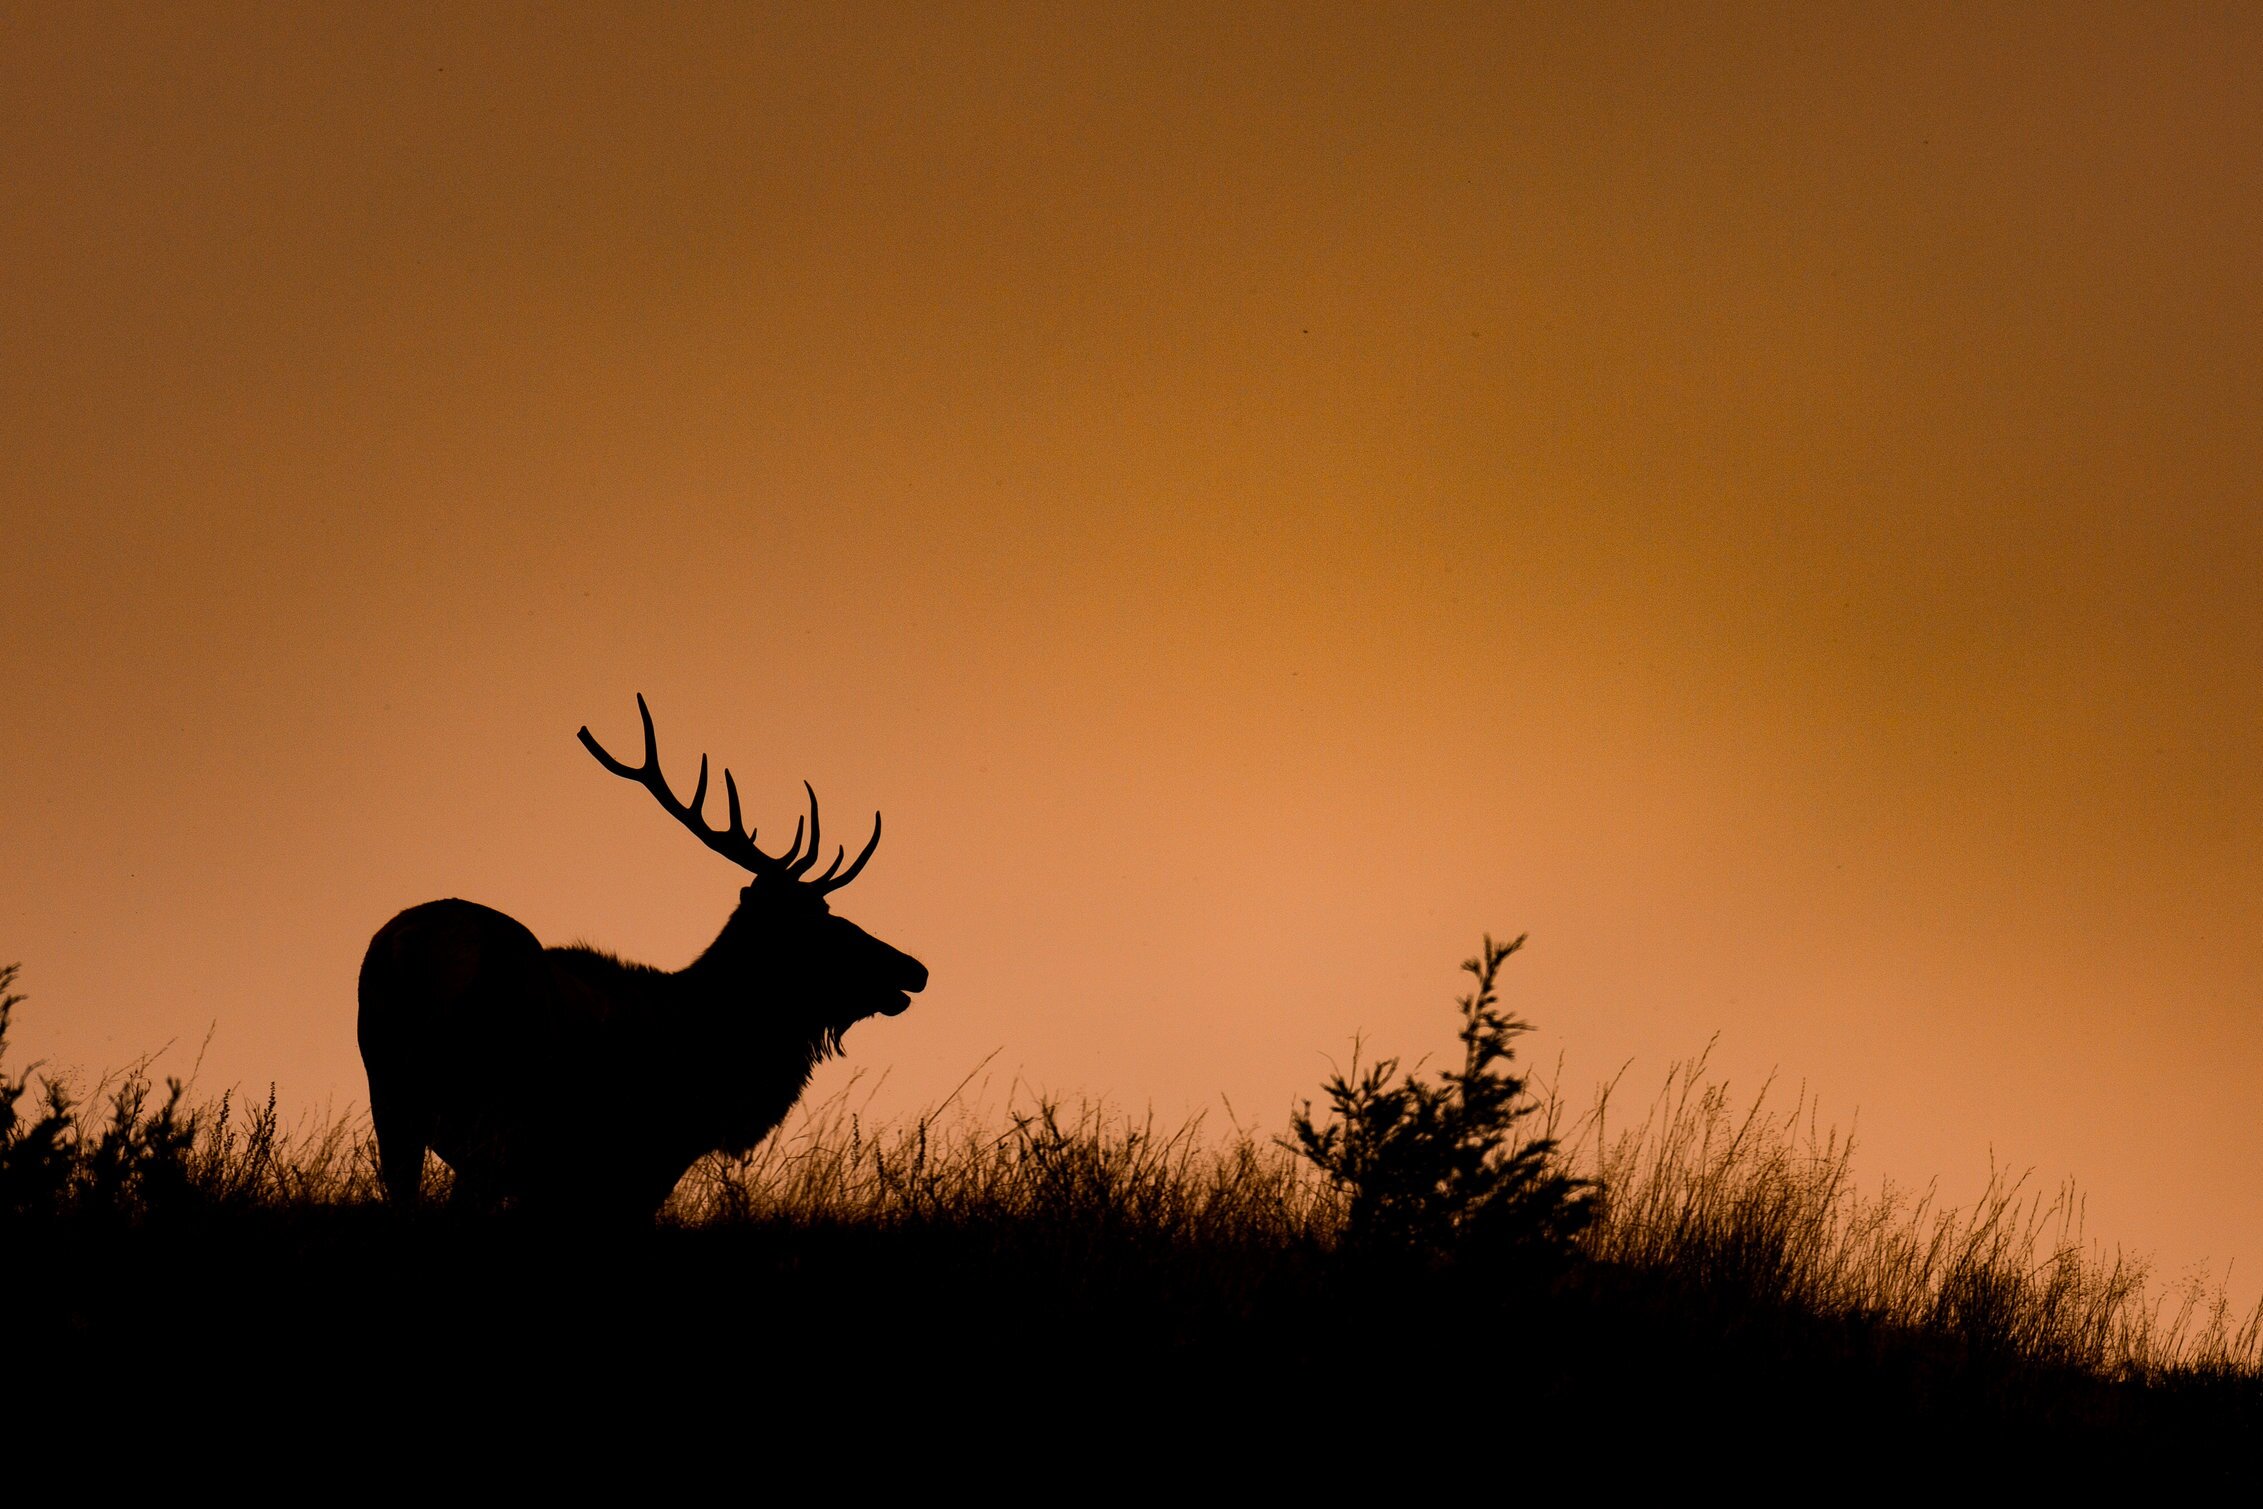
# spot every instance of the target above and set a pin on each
(567, 1078)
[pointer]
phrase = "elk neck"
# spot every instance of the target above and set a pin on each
(739, 970)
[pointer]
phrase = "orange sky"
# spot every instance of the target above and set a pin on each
(1766, 502)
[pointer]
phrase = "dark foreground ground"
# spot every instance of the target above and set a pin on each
(333, 1344)
(1413, 1297)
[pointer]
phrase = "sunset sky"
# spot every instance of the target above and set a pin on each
(1764, 500)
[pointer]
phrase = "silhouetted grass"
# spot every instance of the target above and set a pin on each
(1081, 1170)
(118, 1151)
(1749, 1206)
(1725, 1278)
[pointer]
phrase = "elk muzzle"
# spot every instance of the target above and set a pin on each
(908, 976)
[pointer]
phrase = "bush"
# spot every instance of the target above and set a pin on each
(1451, 1166)
(36, 1147)
(147, 1156)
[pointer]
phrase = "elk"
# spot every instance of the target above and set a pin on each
(569, 1079)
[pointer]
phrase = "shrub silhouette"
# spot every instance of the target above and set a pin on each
(1449, 1166)
(142, 1163)
(127, 1153)
(36, 1162)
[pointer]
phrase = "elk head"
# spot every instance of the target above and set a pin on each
(822, 971)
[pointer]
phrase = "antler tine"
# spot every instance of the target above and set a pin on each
(651, 739)
(832, 884)
(731, 794)
(651, 755)
(802, 866)
(698, 805)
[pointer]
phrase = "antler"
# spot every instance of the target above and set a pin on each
(733, 845)
(829, 881)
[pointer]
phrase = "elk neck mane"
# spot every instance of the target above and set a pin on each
(726, 997)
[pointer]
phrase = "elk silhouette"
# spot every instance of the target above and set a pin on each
(570, 1079)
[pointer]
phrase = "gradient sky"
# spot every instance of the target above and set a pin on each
(1764, 500)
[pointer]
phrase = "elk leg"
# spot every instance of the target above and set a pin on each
(403, 1130)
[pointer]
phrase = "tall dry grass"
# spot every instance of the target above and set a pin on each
(1744, 1204)
(118, 1147)
(1040, 1162)
(1743, 1207)
(1758, 1203)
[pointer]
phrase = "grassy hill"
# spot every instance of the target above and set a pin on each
(1415, 1275)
